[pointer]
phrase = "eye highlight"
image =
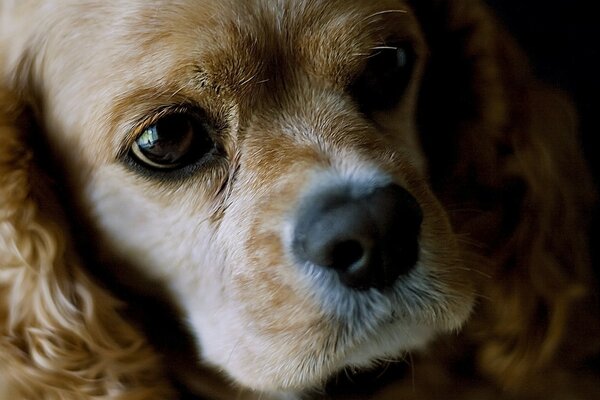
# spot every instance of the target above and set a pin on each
(385, 78)
(173, 141)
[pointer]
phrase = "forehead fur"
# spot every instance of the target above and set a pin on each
(221, 54)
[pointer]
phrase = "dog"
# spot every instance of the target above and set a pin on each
(249, 199)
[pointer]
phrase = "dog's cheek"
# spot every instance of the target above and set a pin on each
(174, 244)
(278, 329)
(262, 203)
(167, 239)
(238, 290)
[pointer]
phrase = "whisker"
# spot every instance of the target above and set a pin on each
(411, 364)
(385, 368)
(247, 80)
(176, 92)
(384, 48)
(474, 270)
(240, 394)
(484, 297)
(237, 343)
(468, 240)
(379, 13)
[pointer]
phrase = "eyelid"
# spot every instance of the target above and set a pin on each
(378, 87)
(137, 127)
(214, 159)
(154, 117)
(389, 43)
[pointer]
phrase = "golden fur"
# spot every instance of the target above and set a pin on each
(490, 155)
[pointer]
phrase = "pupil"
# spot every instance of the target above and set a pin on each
(384, 79)
(167, 141)
(401, 58)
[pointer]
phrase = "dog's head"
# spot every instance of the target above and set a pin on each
(260, 160)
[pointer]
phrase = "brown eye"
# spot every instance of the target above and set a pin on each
(174, 141)
(385, 78)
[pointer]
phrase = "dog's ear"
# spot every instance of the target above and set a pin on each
(500, 143)
(61, 336)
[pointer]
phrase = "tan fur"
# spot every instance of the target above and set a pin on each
(501, 183)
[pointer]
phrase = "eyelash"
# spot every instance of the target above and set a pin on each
(215, 161)
(153, 117)
(381, 84)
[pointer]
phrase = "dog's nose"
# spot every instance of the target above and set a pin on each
(369, 239)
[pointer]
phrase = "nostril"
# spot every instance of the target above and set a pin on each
(346, 254)
(369, 239)
(337, 236)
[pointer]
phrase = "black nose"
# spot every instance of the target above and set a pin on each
(369, 239)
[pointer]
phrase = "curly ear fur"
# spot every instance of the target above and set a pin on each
(516, 159)
(61, 336)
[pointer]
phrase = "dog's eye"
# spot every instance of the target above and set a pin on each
(173, 141)
(386, 75)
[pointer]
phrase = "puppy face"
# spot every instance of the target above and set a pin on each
(226, 149)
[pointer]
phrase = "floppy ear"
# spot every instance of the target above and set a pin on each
(61, 336)
(504, 154)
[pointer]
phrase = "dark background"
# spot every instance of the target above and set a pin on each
(562, 38)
